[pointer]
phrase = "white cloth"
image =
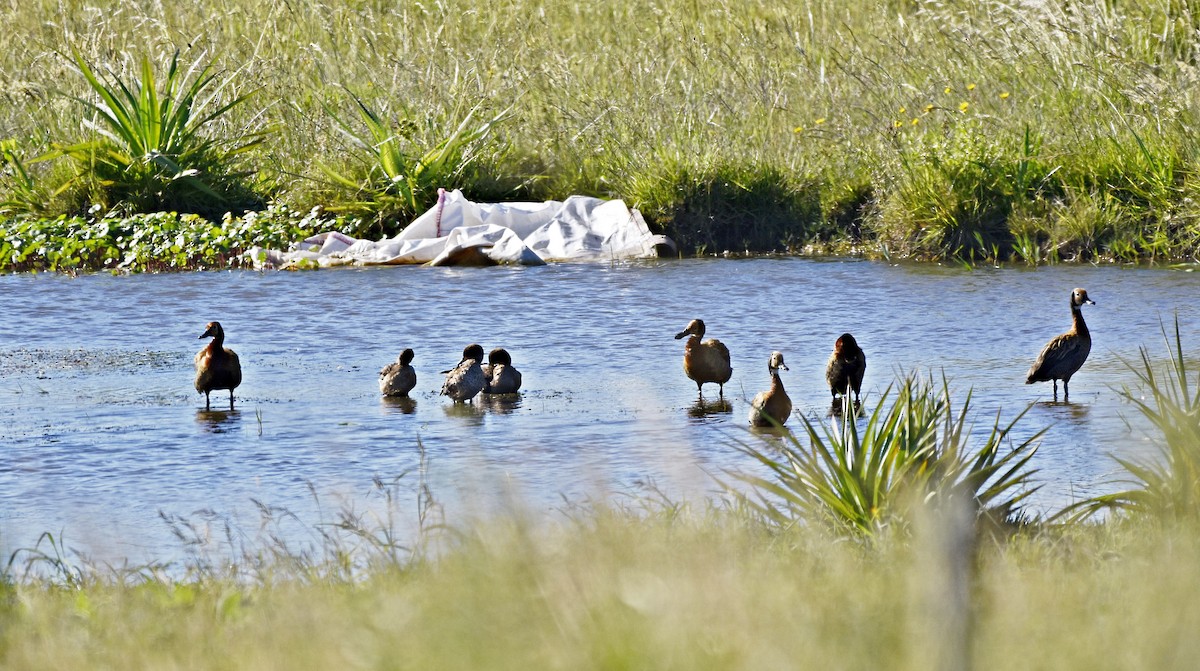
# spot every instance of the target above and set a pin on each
(457, 230)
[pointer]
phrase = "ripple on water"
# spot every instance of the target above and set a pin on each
(102, 430)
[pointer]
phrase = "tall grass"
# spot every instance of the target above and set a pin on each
(931, 129)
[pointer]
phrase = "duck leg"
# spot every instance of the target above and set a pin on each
(231, 400)
(207, 407)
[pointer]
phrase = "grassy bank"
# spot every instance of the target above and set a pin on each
(1037, 133)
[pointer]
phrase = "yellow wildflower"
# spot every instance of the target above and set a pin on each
(897, 123)
(902, 110)
(948, 89)
(798, 129)
(915, 121)
(929, 108)
(1004, 96)
(962, 107)
(820, 121)
(970, 87)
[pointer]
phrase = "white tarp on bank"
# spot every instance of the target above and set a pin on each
(457, 231)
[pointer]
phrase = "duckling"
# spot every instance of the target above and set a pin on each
(499, 375)
(846, 367)
(1062, 356)
(705, 361)
(217, 367)
(772, 406)
(397, 379)
(466, 379)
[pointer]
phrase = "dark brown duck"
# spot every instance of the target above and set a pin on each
(217, 366)
(846, 367)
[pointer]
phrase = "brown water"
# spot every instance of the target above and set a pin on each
(101, 431)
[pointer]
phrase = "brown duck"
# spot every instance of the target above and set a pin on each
(705, 360)
(398, 378)
(772, 407)
(499, 375)
(217, 366)
(846, 367)
(1062, 356)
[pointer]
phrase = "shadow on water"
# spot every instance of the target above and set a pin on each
(217, 421)
(405, 405)
(702, 408)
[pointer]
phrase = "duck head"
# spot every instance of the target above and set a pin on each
(694, 327)
(1079, 297)
(845, 342)
(214, 330)
(473, 351)
(406, 357)
(499, 356)
(776, 362)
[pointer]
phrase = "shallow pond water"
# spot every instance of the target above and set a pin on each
(101, 431)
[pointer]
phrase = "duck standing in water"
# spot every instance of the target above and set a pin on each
(399, 378)
(1062, 356)
(217, 366)
(705, 360)
(846, 367)
(465, 380)
(772, 407)
(499, 375)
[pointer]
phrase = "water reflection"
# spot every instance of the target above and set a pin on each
(702, 408)
(500, 404)
(406, 405)
(840, 405)
(472, 411)
(217, 421)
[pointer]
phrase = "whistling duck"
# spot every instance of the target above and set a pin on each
(466, 379)
(846, 366)
(499, 375)
(772, 406)
(217, 366)
(399, 378)
(1062, 356)
(707, 360)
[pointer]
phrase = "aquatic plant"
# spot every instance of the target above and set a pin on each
(153, 242)
(1165, 486)
(153, 153)
(912, 453)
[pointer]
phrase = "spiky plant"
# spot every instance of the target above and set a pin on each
(153, 152)
(1165, 485)
(914, 448)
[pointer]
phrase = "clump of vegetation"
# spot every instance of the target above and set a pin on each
(155, 153)
(390, 182)
(912, 451)
(153, 242)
